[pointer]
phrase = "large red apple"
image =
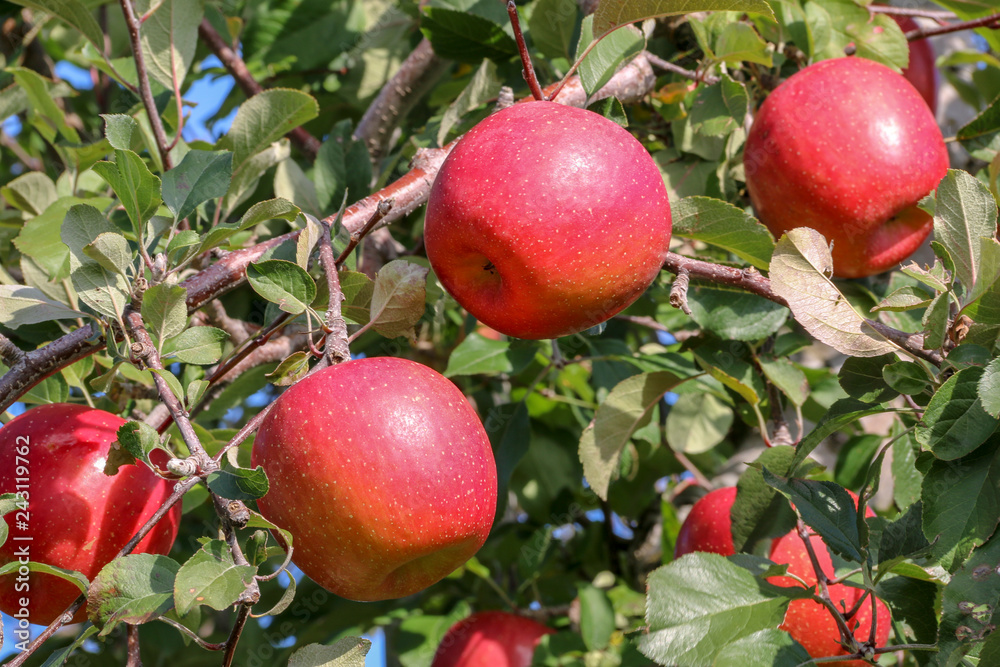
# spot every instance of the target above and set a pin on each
(77, 517)
(809, 622)
(383, 473)
(708, 526)
(847, 147)
(546, 220)
(490, 639)
(921, 72)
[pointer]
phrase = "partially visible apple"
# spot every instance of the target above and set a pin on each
(810, 623)
(708, 526)
(383, 473)
(546, 220)
(490, 639)
(921, 72)
(77, 517)
(847, 147)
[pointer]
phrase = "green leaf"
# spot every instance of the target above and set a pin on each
(905, 298)
(827, 508)
(239, 483)
(200, 176)
(842, 413)
(467, 31)
(597, 617)
(118, 128)
(358, 289)
(266, 117)
(935, 321)
(41, 93)
(107, 292)
(720, 108)
(482, 88)
(137, 188)
(551, 26)
(698, 604)
(880, 39)
(211, 578)
(968, 603)
(291, 183)
(479, 355)
(285, 284)
(611, 15)
(774, 648)
(21, 305)
(800, 274)
(902, 538)
(724, 225)
(624, 410)
(343, 167)
(72, 576)
(989, 388)
(164, 310)
(955, 423)
(39, 238)
(509, 431)
(247, 175)
(172, 382)
(861, 378)
(906, 377)
(733, 372)
(32, 192)
(603, 60)
(72, 12)
(612, 109)
(270, 209)
(398, 298)
(697, 422)
(738, 43)
(169, 37)
(732, 313)
(966, 213)
(111, 251)
(787, 377)
(346, 652)
(197, 345)
(961, 501)
(58, 658)
(292, 369)
(138, 439)
(132, 589)
(854, 460)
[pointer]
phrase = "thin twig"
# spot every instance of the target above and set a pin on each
(336, 348)
(381, 210)
(679, 290)
(133, 658)
(528, 70)
(992, 22)
(823, 581)
(935, 14)
(145, 92)
(307, 143)
(245, 432)
(698, 77)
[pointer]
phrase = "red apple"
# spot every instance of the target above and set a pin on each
(490, 639)
(922, 72)
(810, 623)
(708, 526)
(77, 517)
(847, 147)
(383, 473)
(546, 220)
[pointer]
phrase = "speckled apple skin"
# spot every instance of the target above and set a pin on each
(382, 472)
(810, 623)
(78, 517)
(847, 147)
(490, 639)
(921, 71)
(708, 527)
(546, 220)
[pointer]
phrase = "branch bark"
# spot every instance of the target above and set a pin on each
(145, 92)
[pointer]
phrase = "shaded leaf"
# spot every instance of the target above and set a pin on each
(955, 423)
(212, 578)
(132, 589)
(398, 298)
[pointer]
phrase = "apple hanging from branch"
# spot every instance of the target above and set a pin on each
(77, 517)
(382, 472)
(847, 147)
(546, 220)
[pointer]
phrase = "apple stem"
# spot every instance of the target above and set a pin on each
(529, 70)
(132, 633)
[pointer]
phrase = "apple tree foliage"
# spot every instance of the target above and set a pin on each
(114, 220)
